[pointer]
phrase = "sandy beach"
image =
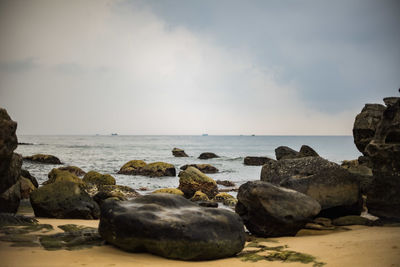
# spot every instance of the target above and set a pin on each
(360, 246)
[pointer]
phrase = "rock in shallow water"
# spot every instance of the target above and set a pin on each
(173, 227)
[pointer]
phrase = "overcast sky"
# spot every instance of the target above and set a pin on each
(192, 67)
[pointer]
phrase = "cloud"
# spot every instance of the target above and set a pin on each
(101, 67)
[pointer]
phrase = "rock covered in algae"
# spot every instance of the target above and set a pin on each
(97, 178)
(192, 180)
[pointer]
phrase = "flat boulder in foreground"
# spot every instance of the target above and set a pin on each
(269, 211)
(173, 227)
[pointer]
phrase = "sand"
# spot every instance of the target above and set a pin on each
(361, 246)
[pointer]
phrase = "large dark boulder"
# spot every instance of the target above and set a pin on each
(208, 155)
(10, 165)
(256, 161)
(365, 124)
(383, 151)
(192, 180)
(268, 210)
(43, 158)
(284, 152)
(204, 168)
(64, 200)
(171, 226)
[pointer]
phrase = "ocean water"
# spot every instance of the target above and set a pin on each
(106, 154)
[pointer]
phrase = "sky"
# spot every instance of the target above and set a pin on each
(182, 67)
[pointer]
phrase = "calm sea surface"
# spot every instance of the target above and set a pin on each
(106, 154)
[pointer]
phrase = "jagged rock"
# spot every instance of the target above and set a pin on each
(365, 125)
(383, 151)
(192, 180)
(28, 175)
(174, 191)
(10, 165)
(74, 170)
(306, 151)
(132, 167)
(97, 178)
(268, 210)
(57, 175)
(173, 227)
(256, 161)
(204, 168)
(63, 199)
(177, 152)
(225, 183)
(284, 152)
(208, 155)
(43, 158)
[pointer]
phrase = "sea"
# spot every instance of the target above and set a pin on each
(107, 153)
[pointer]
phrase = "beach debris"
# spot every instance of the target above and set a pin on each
(192, 180)
(177, 152)
(269, 211)
(173, 227)
(204, 168)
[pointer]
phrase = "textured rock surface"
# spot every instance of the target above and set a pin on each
(284, 152)
(26, 187)
(10, 165)
(43, 158)
(132, 167)
(158, 169)
(74, 170)
(177, 152)
(208, 155)
(256, 161)
(204, 168)
(63, 200)
(307, 151)
(27, 175)
(97, 178)
(192, 180)
(268, 210)
(172, 227)
(57, 175)
(174, 191)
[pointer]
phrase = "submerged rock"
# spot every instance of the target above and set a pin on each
(256, 161)
(63, 200)
(268, 210)
(204, 168)
(97, 178)
(192, 180)
(43, 158)
(173, 227)
(155, 169)
(208, 155)
(177, 152)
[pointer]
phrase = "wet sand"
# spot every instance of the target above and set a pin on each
(361, 246)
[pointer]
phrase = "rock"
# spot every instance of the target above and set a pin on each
(204, 168)
(10, 165)
(363, 172)
(365, 125)
(173, 227)
(57, 175)
(158, 169)
(315, 226)
(383, 151)
(74, 170)
(276, 171)
(26, 187)
(226, 183)
(323, 221)
(208, 204)
(143, 188)
(269, 211)
(27, 175)
(352, 220)
(336, 190)
(132, 167)
(208, 155)
(121, 190)
(63, 200)
(306, 151)
(284, 152)
(226, 199)
(42, 158)
(102, 196)
(192, 180)
(173, 191)
(177, 152)
(199, 196)
(97, 178)
(256, 161)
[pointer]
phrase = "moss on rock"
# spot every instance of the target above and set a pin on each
(199, 196)
(97, 178)
(57, 175)
(192, 180)
(74, 170)
(43, 158)
(174, 191)
(158, 169)
(132, 167)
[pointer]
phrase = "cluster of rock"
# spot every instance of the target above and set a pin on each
(204, 168)
(376, 134)
(43, 158)
(155, 169)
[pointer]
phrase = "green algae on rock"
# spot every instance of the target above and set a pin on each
(57, 175)
(192, 180)
(132, 167)
(158, 169)
(74, 170)
(174, 191)
(43, 158)
(97, 178)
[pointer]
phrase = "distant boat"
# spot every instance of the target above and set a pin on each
(204, 134)
(114, 134)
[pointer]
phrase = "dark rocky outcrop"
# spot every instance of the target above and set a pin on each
(10, 165)
(256, 161)
(268, 210)
(362, 171)
(173, 227)
(284, 152)
(74, 170)
(307, 151)
(63, 199)
(97, 178)
(204, 168)
(43, 158)
(26, 187)
(383, 151)
(132, 167)
(192, 180)
(208, 155)
(155, 169)
(177, 152)
(28, 175)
